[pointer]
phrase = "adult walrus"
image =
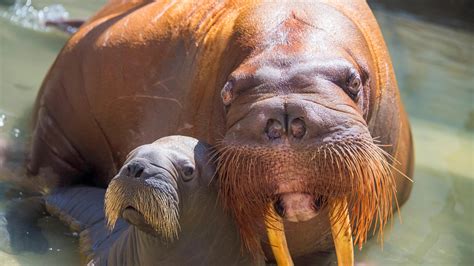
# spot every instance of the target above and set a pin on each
(299, 100)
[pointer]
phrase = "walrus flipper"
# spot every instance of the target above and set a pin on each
(78, 207)
(82, 209)
(96, 241)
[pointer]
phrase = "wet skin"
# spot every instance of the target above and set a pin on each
(272, 77)
(191, 227)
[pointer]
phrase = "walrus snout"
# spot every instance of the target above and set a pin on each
(294, 120)
(144, 168)
(135, 169)
(145, 193)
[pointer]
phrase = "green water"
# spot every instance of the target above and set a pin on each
(435, 71)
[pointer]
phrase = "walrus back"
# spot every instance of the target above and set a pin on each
(133, 73)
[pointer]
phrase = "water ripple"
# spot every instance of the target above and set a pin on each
(24, 14)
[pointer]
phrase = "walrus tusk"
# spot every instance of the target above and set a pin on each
(341, 232)
(276, 236)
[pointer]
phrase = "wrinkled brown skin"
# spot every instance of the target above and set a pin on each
(138, 71)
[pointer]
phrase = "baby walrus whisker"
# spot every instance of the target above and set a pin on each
(163, 203)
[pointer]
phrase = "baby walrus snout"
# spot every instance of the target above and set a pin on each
(152, 185)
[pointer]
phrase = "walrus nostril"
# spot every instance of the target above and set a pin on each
(298, 128)
(274, 129)
(135, 169)
(139, 173)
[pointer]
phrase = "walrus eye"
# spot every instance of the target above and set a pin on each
(353, 86)
(188, 172)
(227, 92)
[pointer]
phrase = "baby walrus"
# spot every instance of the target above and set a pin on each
(166, 191)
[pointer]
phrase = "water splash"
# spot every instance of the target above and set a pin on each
(24, 14)
(3, 118)
(16, 132)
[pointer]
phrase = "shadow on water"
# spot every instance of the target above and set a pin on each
(453, 13)
(435, 70)
(436, 224)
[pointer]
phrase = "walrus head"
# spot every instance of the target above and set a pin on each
(154, 182)
(297, 113)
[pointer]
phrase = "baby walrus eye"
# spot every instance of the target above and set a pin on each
(353, 86)
(187, 172)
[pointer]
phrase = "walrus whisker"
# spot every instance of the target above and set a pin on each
(385, 153)
(384, 145)
(217, 151)
(395, 161)
(389, 156)
(349, 161)
(356, 169)
(371, 170)
(213, 156)
(339, 159)
(159, 208)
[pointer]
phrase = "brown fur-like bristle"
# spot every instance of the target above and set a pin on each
(159, 208)
(355, 169)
